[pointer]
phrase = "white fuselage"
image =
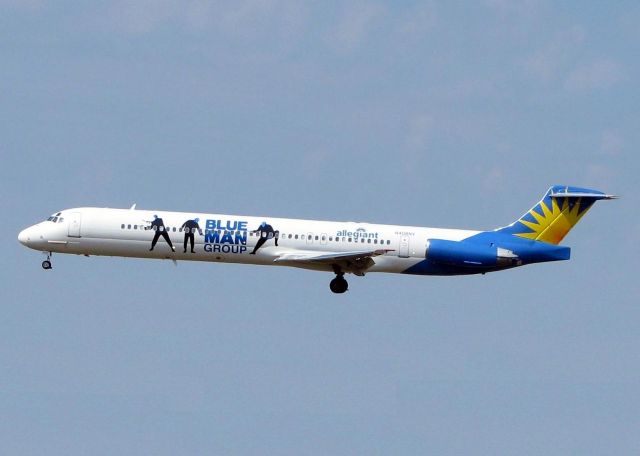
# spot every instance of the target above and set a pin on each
(229, 238)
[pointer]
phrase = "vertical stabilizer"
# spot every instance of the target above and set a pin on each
(552, 218)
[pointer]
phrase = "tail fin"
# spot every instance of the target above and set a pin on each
(553, 217)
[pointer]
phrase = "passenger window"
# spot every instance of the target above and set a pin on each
(292, 236)
(368, 241)
(362, 240)
(135, 227)
(122, 226)
(296, 236)
(349, 239)
(388, 242)
(375, 241)
(128, 227)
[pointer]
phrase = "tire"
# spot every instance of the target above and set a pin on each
(46, 264)
(338, 285)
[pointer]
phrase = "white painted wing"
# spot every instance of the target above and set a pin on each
(354, 261)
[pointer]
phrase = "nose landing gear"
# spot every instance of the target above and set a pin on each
(46, 264)
(339, 284)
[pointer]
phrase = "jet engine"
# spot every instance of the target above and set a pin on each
(469, 255)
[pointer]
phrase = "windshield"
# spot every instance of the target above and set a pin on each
(55, 218)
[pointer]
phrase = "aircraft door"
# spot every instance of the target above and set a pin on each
(75, 220)
(403, 250)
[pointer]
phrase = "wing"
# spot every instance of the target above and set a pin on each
(356, 262)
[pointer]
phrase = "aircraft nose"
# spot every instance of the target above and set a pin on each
(25, 236)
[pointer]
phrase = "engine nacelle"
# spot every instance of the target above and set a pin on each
(469, 255)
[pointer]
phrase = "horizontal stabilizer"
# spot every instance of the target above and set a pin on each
(593, 195)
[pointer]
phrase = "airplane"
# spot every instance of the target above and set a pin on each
(337, 247)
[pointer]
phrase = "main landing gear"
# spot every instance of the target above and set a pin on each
(46, 264)
(339, 284)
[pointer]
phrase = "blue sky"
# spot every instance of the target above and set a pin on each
(449, 114)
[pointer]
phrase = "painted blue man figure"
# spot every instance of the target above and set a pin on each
(157, 225)
(189, 227)
(265, 231)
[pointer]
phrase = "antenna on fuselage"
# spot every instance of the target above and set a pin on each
(133, 207)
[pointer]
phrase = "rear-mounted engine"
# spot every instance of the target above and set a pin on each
(469, 255)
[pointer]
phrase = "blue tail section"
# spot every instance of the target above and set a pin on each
(533, 238)
(555, 215)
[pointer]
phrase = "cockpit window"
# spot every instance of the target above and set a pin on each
(55, 218)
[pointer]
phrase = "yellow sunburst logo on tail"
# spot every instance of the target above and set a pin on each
(551, 224)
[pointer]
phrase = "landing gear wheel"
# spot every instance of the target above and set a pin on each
(46, 264)
(339, 285)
